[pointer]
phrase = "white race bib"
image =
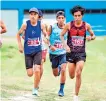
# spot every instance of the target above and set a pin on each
(33, 42)
(58, 44)
(77, 40)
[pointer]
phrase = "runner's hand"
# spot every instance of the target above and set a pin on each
(67, 48)
(46, 41)
(20, 49)
(53, 48)
(88, 38)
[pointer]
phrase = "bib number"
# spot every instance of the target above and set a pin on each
(33, 42)
(77, 41)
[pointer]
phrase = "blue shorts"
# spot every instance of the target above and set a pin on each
(57, 60)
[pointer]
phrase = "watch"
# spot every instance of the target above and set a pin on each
(49, 45)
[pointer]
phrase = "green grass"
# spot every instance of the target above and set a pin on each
(15, 83)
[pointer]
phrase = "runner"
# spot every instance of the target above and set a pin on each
(75, 46)
(32, 46)
(57, 52)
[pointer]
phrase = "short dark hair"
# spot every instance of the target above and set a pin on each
(59, 13)
(78, 8)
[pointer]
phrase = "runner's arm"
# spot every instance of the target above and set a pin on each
(92, 35)
(65, 29)
(44, 30)
(21, 30)
(49, 31)
(43, 27)
(3, 27)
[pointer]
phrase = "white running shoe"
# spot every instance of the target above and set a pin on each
(75, 98)
(35, 92)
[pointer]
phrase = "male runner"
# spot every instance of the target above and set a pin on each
(32, 46)
(57, 52)
(75, 46)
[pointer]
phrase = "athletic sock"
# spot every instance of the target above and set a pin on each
(62, 86)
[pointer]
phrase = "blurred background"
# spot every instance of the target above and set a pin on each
(14, 13)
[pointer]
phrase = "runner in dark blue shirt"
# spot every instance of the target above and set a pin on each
(32, 45)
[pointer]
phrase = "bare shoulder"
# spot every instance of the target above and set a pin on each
(67, 26)
(24, 25)
(88, 26)
(22, 29)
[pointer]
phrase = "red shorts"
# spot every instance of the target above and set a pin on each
(44, 52)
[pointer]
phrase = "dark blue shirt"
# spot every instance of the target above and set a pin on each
(32, 42)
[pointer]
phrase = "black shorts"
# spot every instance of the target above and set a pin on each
(73, 57)
(57, 60)
(32, 59)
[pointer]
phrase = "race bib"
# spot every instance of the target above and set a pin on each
(58, 45)
(77, 40)
(33, 42)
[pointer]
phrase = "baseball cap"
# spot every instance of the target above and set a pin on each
(59, 13)
(34, 10)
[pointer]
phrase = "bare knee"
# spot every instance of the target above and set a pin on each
(79, 67)
(63, 71)
(71, 68)
(30, 74)
(55, 73)
(72, 76)
(78, 73)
